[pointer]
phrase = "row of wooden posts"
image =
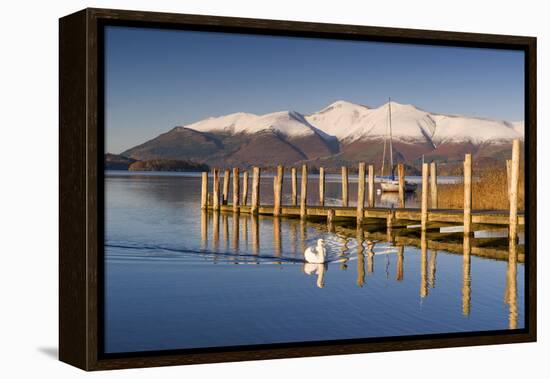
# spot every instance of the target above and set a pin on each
(428, 171)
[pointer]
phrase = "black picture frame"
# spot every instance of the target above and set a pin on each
(81, 186)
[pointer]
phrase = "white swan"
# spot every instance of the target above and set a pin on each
(317, 254)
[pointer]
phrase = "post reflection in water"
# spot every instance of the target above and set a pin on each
(360, 257)
(400, 256)
(303, 237)
(245, 231)
(215, 231)
(466, 279)
(432, 269)
(225, 231)
(344, 254)
(277, 244)
(511, 285)
(235, 233)
(370, 257)
(292, 238)
(255, 235)
(204, 229)
(423, 265)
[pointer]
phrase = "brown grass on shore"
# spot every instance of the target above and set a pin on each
(489, 191)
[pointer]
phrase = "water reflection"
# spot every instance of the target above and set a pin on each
(316, 269)
(175, 245)
(432, 269)
(466, 278)
(400, 257)
(423, 265)
(360, 257)
(511, 285)
(341, 250)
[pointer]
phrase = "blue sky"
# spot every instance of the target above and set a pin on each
(157, 79)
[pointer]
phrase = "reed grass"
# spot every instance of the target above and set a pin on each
(489, 191)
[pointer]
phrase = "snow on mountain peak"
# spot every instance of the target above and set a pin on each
(348, 121)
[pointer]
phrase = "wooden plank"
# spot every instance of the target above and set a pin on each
(236, 190)
(468, 194)
(294, 184)
(371, 187)
(514, 186)
(321, 186)
(204, 190)
(401, 176)
(345, 184)
(424, 208)
(360, 192)
(433, 185)
(303, 193)
(255, 190)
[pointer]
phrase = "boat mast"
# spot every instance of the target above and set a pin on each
(391, 146)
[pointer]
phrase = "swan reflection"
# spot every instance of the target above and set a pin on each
(316, 269)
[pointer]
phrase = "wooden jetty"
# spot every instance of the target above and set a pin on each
(428, 213)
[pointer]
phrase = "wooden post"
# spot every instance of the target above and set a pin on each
(360, 193)
(294, 184)
(345, 201)
(204, 191)
(330, 220)
(509, 174)
(390, 219)
(216, 189)
(236, 190)
(226, 177)
(322, 186)
(245, 187)
(401, 177)
(433, 184)
(277, 190)
(303, 193)
(255, 190)
(371, 186)
(424, 208)
(514, 185)
(468, 194)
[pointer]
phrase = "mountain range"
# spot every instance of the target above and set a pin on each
(342, 133)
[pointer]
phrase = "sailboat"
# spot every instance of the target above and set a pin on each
(390, 183)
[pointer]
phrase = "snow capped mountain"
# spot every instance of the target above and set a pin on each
(289, 123)
(349, 122)
(343, 133)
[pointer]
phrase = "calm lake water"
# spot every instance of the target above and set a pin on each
(178, 278)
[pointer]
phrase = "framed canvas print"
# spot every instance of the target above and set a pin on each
(238, 189)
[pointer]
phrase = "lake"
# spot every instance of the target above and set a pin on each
(177, 277)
